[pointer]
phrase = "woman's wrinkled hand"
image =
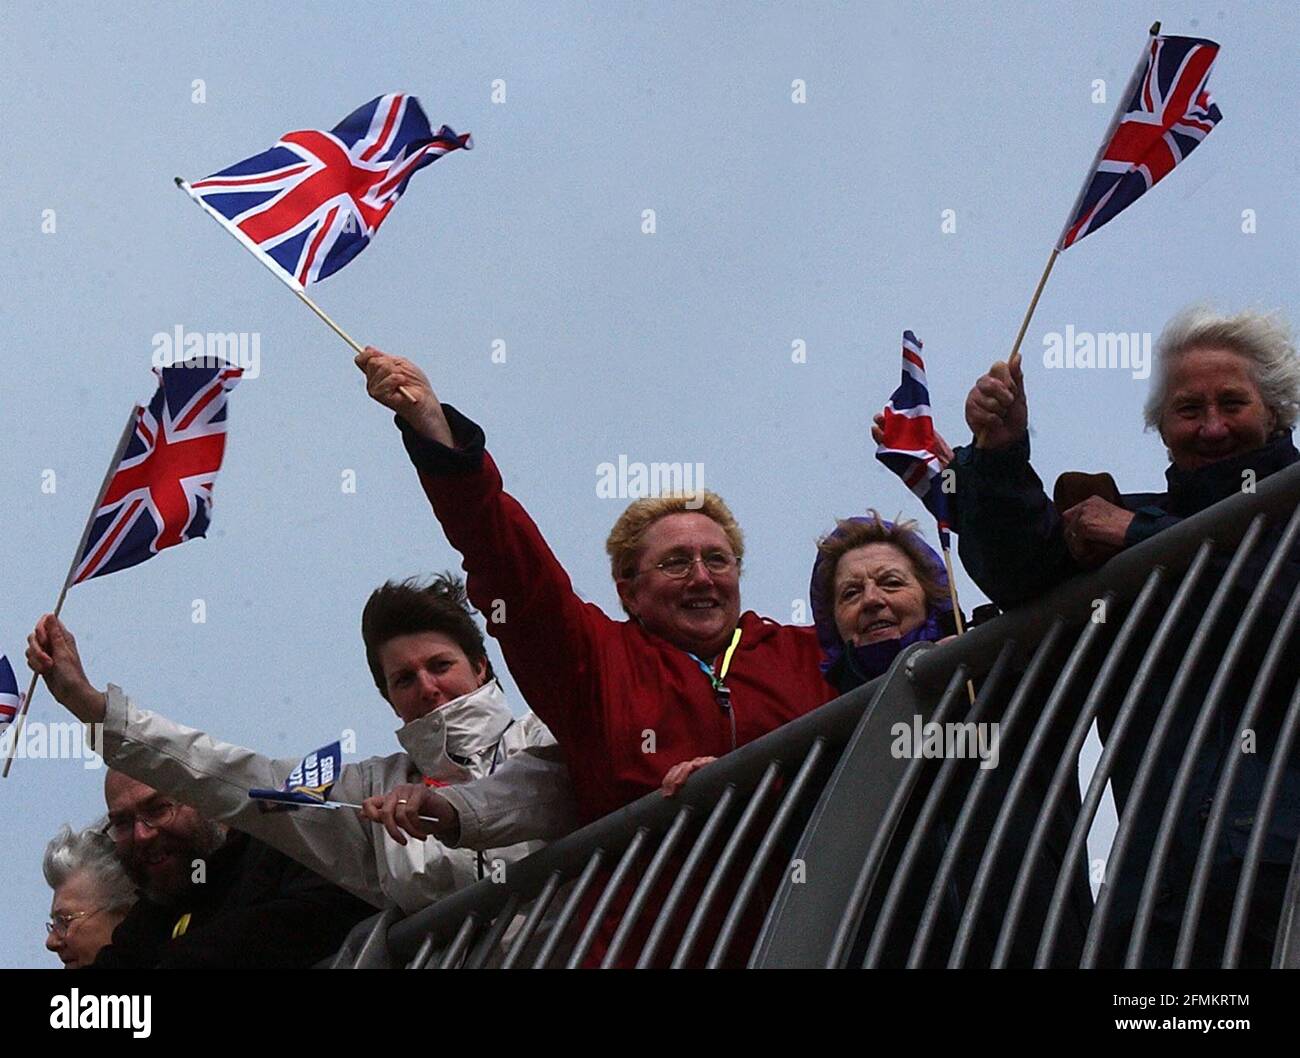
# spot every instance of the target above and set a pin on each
(942, 449)
(397, 383)
(996, 409)
(1095, 530)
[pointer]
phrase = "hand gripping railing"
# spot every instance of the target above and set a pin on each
(675, 880)
(946, 863)
(884, 858)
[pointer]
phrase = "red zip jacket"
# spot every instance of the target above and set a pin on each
(625, 705)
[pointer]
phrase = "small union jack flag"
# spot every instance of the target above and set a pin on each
(160, 493)
(315, 200)
(10, 700)
(909, 447)
(1169, 112)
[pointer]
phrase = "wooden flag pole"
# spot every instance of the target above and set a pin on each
(1129, 89)
(278, 272)
(123, 441)
(1033, 304)
(956, 608)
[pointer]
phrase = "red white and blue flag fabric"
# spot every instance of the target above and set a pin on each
(909, 448)
(1168, 113)
(10, 700)
(160, 493)
(315, 200)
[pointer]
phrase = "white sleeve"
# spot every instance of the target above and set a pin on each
(528, 798)
(215, 777)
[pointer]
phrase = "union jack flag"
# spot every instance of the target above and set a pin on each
(315, 200)
(909, 448)
(10, 700)
(160, 493)
(1168, 113)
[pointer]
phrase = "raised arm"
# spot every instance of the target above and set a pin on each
(214, 777)
(513, 578)
(1010, 534)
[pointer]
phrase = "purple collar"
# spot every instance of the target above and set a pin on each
(866, 659)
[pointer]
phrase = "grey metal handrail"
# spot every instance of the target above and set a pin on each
(881, 859)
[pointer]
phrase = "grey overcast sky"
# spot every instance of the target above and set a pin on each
(776, 222)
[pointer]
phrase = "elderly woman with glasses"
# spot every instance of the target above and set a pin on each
(92, 894)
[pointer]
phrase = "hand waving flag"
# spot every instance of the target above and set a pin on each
(308, 784)
(311, 203)
(909, 448)
(1168, 112)
(160, 491)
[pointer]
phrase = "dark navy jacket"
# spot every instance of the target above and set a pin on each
(1012, 544)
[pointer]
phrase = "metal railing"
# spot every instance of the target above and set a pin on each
(823, 845)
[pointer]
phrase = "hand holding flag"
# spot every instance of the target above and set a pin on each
(1165, 111)
(996, 409)
(309, 785)
(911, 447)
(52, 653)
(906, 439)
(158, 489)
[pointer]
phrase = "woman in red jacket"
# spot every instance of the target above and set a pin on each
(687, 676)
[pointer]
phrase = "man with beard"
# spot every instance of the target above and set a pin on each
(213, 897)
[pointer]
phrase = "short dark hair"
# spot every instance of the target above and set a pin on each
(399, 608)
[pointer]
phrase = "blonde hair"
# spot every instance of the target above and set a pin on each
(626, 540)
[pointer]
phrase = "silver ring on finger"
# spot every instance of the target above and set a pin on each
(401, 802)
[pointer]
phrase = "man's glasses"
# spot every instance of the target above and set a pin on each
(679, 566)
(153, 816)
(60, 923)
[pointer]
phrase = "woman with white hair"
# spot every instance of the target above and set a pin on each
(1224, 399)
(92, 894)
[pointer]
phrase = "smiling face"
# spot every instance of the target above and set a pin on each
(1214, 410)
(877, 595)
(697, 612)
(426, 670)
(159, 858)
(79, 903)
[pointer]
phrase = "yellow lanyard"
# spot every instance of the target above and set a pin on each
(726, 658)
(717, 680)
